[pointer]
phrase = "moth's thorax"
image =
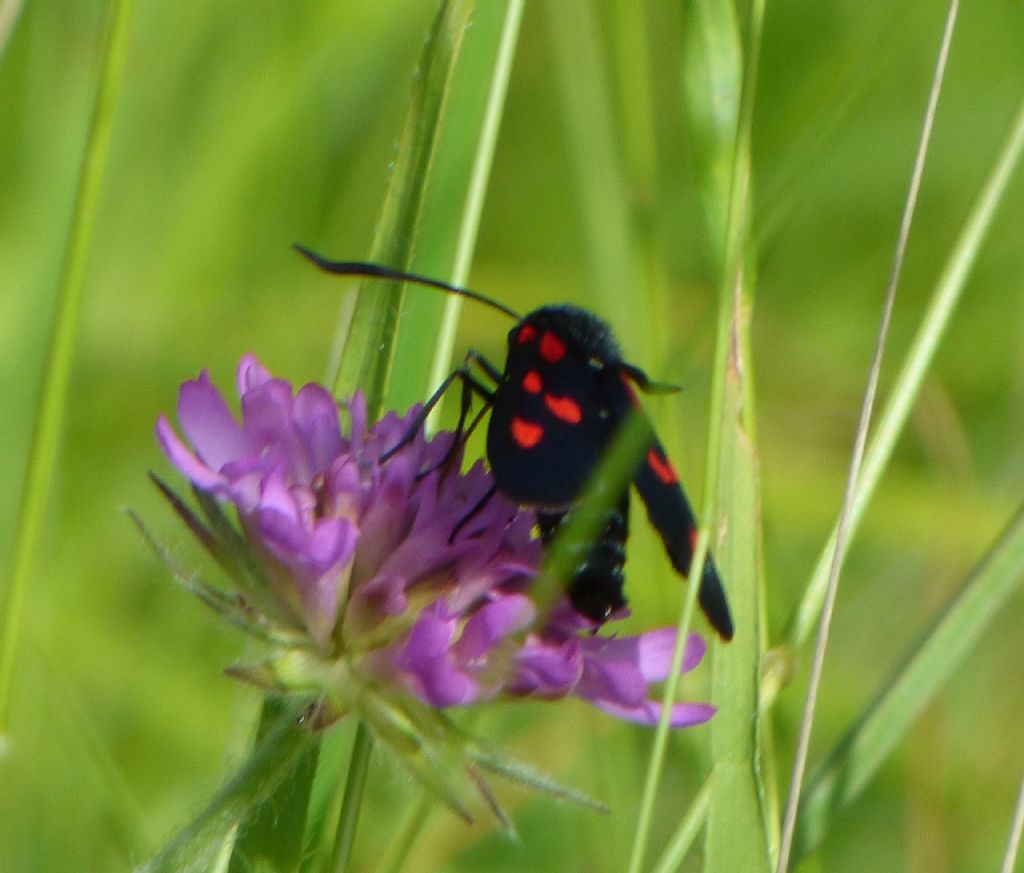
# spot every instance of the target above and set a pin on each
(552, 334)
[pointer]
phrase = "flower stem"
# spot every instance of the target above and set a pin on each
(359, 765)
(49, 418)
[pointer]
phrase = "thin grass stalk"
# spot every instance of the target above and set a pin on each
(843, 531)
(9, 12)
(686, 831)
(326, 797)
(50, 413)
(859, 71)
(408, 833)
(894, 416)
(656, 761)
(1013, 844)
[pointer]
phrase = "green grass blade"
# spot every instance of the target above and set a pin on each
(942, 650)
(453, 119)
(370, 344)
(49, 421)
(370, 348)
(274, 759)
(271, 839)
(737, 831)
(507, 35)
(738, 836)
(454, 200)
(922, 351)
(712, 77)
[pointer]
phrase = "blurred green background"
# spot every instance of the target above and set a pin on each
(244, 127)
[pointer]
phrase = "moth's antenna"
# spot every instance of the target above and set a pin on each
(377, 271)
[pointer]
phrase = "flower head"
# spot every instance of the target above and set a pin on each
(399, 571)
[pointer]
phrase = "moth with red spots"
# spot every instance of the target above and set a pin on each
(555, 408)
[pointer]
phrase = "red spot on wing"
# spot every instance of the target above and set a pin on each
(552, 349)
(662, 467)
(693, 539)
(527, 334)
(526, 433)
(564, 408)
(532, 383)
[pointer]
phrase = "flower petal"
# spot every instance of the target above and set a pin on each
(250, 374)
(177, 452)
(651, 652)
(547, 669)
(315, 419)
(649, 713)
(380, 598)
(494, 621)
(619, 681)
(209, 424)
(426, 660)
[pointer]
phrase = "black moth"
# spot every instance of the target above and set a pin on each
(555, 407)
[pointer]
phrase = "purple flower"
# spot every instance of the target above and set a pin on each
(398, 577)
